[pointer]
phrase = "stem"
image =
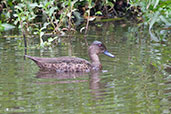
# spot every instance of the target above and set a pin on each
(87, 22)
(70, 10)
(25, 41)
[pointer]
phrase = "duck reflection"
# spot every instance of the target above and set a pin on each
(96, 87)
(94, 80)
(60, 76)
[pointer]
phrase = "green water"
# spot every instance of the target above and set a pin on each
(134, 82)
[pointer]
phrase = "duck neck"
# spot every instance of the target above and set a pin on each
(95, 61)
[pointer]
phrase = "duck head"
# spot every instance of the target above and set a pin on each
(94, 50)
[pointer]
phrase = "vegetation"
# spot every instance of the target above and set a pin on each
(1, 27)
(41, 17)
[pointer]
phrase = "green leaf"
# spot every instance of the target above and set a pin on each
(154, 19)
(51, 11)
(1, 27)
(41, 34)
(98, 13)
(50, 39)
(23, 18)
(16, 21)
(15, 15)
(33, 5)
(165, 20)
(46, 24)
(153, 37)
(109, 4)
(8, 26)
(47, 4)
(156, 3)
(19, 8)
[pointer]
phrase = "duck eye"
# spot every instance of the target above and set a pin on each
(100, 45)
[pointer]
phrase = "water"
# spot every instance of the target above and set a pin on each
(133, 82)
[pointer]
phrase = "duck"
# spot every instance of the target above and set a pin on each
(74, 64)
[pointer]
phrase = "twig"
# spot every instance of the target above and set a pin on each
(87, 22)
(25, 41)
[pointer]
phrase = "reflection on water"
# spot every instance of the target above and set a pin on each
(94, 79)
(134, 82)
(64, 75)
(95, 86)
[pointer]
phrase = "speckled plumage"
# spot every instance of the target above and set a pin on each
(62, 64)
(73, 64)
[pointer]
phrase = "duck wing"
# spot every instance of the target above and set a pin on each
(62, 64)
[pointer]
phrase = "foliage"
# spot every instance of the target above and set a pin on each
(155, 11)
(57, 17)
(1, 27)
(156, 14)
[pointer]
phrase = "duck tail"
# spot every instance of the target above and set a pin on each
(32, 58)
(36, 60)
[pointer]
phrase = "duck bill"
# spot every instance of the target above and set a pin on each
(108, 54)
